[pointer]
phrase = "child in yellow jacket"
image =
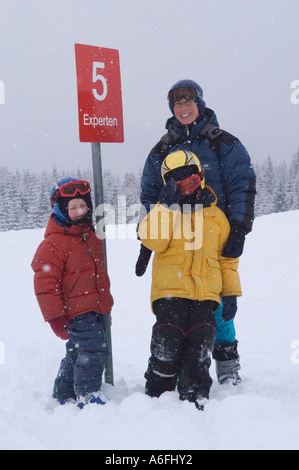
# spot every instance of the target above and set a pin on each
(187, 232)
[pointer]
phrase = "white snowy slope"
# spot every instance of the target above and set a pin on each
(262, 413)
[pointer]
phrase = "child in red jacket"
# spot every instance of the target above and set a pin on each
(73, 291)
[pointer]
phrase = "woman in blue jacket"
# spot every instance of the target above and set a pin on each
(229, 172)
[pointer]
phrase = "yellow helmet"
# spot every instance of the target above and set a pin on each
(182, 158)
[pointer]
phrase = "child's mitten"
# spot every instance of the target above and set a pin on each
(170, 194)
(229, 307)
(235, 242)
(59, 325)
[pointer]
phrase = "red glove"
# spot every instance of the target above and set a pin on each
(58, 326)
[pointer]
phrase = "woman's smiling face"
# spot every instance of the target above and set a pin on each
(186, 111)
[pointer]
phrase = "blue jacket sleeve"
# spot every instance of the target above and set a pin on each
(239, 182)
(151, 182)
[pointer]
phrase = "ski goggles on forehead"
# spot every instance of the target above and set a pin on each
(71, 189)
(178, 93)
(189, 185)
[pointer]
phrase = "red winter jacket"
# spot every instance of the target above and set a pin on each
(70, 277)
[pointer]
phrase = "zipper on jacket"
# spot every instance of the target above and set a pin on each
(84, 237)
(188, 132)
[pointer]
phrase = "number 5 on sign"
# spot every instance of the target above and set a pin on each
(99, 65)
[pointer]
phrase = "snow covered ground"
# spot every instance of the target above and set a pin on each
(262, 413)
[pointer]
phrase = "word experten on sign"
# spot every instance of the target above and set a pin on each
(99, 121)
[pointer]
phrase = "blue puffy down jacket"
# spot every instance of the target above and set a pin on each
(226, 163)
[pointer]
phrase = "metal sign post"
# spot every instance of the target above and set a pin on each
(99, 201)
(100, 120)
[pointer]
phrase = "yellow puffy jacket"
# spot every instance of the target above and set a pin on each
(188, 261)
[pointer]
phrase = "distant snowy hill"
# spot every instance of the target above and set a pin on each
(262, 413)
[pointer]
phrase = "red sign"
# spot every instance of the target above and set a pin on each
(99, 94)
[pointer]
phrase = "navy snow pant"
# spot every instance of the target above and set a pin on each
(182, 340)
(82, 368)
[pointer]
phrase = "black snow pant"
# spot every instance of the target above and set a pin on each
(182, 340)
(82, 368)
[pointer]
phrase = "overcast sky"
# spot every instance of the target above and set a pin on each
(244, 55)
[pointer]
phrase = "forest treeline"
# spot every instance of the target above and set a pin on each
(25, 202)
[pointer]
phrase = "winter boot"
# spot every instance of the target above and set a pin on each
(93, 397)
(67, 401)
(158, 383)
(227, 363)
(164, 362)
(198, 401)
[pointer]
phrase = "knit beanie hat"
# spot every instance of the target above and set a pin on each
(181, 89)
